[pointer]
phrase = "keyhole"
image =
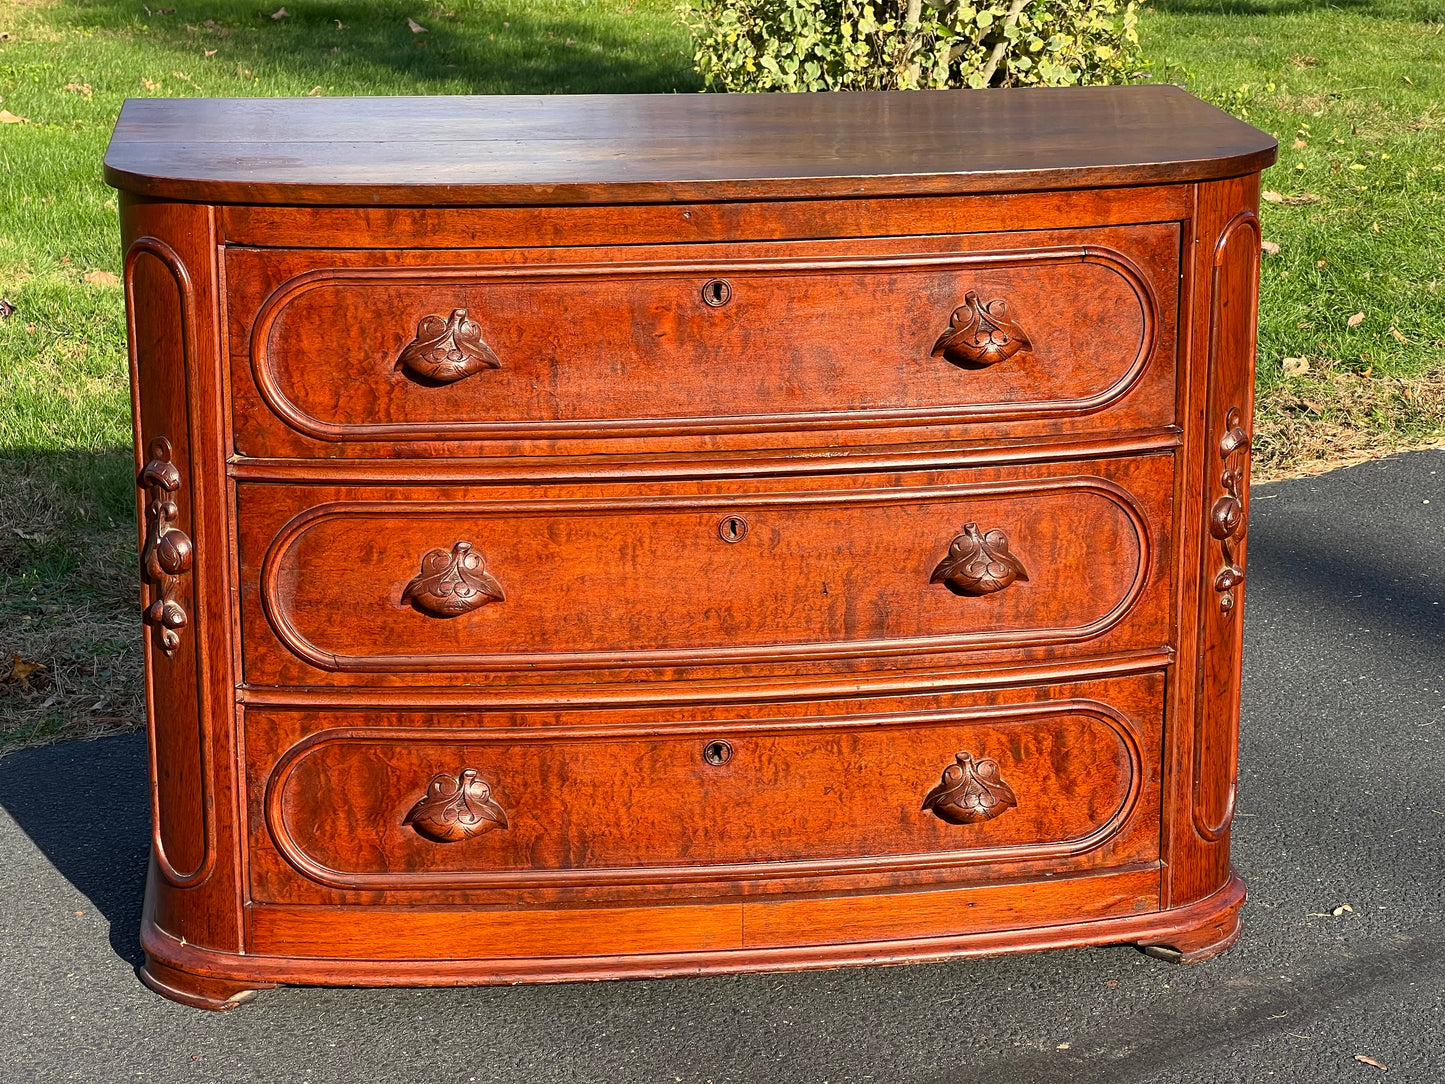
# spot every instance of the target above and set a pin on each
(732, 529)
(717, 292)
(717, 753)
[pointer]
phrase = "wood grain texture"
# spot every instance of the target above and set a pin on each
(1203, 763)
(643, 536)
(640, 578)
(813, 796)
(678, 222)
(650, 148)
(172, 311)
(609, 347)
(361, 943)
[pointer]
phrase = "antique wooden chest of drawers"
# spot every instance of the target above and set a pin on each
(623, 536)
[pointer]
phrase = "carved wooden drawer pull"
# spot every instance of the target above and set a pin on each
(978, 563)
(452, 583)
(168, 552)
(456, 807)
(447, 349)
(1227, 517)
(970, 791)
(981, 334)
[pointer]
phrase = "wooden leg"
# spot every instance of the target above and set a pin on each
(1190, 946)
(198, 991)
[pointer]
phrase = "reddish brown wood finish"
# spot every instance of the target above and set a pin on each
(803, 795)
(593, 344)
(660, 148)
(639, 577)
(722, 555)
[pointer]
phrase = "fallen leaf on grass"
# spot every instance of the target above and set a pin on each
(100, 278)
(1269, 248)
(1300, 144)
(1356, 320)
(1371, 1061)
(149, 83)
(210, 52)
(280, 13)
(1296, 366)
(1398, 335)
(7, 117)
(83, 89)
(7, 310)
(415, 27)
(314, 92)
(1358, 166)
(20, 670)
(1269, 195)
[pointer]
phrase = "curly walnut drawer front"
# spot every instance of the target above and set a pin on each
(358, 353)
(454, 803)
(360, 585)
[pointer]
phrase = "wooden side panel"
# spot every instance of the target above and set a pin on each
(170, 298)
(1206, 734)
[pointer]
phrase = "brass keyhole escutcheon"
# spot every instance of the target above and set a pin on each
(717, 292)
(732, 528)
(717, 753)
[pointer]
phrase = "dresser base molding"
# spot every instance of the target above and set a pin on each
(196, 990)
(220, 981)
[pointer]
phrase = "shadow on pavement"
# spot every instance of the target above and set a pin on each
(84, 805)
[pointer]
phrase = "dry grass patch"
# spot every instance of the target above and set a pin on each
(1323, 420)
(70, 633)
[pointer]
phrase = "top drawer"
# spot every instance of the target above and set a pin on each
(556, 351)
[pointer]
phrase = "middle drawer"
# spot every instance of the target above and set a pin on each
(360, 585)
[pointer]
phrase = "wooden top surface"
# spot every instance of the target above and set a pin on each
(650, 148)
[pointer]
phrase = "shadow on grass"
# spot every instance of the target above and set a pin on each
(484, 48)
(69, 595)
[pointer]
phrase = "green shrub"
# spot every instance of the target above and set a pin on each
(909, 44)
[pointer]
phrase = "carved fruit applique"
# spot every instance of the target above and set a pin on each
(978, 563)
(980, 334)
(456, 808)
(446, 350)
(970, 791)
(452, 583)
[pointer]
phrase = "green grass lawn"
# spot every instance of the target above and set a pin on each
(1355, 93)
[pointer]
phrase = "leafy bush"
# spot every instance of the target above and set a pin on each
(910, 44)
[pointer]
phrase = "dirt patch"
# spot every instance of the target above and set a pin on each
(1324, 420)
(70, 634)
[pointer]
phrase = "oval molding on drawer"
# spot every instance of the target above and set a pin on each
(645, 820)
(565, 379)
(588, 578)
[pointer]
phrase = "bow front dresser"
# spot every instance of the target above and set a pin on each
(590, 537)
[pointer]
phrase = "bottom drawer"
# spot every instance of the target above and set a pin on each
(617, 804)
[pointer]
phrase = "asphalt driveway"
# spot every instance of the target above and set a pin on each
(1342, 809)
